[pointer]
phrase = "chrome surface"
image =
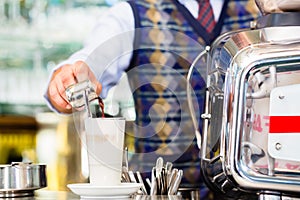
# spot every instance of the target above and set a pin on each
(81, 94)
(244, 69)
(279, 20)
(190, 96)
(21, 179)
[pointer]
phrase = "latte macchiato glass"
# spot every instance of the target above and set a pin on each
(105, 142)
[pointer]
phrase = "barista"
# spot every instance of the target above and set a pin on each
(155, 42)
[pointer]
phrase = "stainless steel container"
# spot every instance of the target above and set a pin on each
(21, 179)
(250, 140)
(82, 95)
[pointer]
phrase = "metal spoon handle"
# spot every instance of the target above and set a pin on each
(175, 185)
(140, 179)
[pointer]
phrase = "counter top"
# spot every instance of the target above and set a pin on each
(49, 195)
(65, 195)
(44, 194)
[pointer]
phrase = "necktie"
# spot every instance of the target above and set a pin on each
(206, 15)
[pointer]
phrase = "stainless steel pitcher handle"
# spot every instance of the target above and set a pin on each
(189, 96)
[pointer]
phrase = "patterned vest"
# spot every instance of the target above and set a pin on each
(167, 40)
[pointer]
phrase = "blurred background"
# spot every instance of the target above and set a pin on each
(35, 35)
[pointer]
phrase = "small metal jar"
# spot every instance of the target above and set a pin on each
(21, 179)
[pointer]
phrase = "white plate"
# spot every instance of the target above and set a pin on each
(86, 190)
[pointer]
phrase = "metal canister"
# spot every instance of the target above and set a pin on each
(81, 94)
(21, 179)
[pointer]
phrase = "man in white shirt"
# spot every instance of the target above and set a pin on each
(118, 20)
(154, 42)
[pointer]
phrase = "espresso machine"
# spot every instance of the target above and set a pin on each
(250, 143)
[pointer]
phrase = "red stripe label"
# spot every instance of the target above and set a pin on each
(284, 124)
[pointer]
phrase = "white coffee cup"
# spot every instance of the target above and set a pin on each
(105, 142)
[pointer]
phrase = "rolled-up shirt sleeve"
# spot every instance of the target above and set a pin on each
(108, 49)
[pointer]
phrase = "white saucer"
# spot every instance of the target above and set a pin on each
(86, 190)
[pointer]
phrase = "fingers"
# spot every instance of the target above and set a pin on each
(66, 76)
(96, 84)
(61, 79)
(57, 99)
(82, 72)
(98, 88)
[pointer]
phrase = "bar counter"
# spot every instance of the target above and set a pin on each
(44, 194)
(67, 195)
(47, 195)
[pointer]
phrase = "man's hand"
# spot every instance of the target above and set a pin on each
(64, 77)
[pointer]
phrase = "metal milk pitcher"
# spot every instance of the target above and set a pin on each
(81, 94)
